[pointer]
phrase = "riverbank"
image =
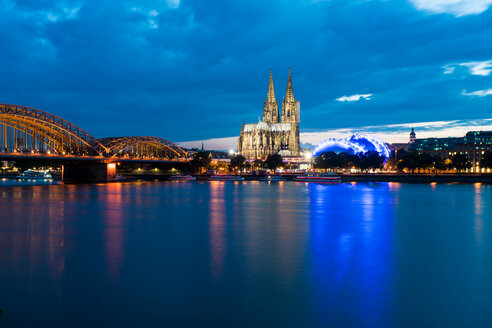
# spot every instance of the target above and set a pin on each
(419, 178)
(366, 177)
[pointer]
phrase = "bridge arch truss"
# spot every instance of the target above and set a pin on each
(142, 147)
(29, 130)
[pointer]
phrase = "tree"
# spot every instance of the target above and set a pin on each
(486, 161)
(439, 164)
(425, 161)
(238, 162)
(274, 161)
(327, 160)
(201, 160)
(258, 164)
(348, 161)
(460, 162)
(409, 160)
(371, 160)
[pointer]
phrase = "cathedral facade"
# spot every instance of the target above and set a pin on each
(276, 133)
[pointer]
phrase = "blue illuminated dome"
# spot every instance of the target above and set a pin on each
(355, 144)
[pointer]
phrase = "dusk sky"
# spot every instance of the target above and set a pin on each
(192, 70)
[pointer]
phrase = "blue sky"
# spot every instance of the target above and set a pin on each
(193, 70)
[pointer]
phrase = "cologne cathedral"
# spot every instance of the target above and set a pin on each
(274, 134)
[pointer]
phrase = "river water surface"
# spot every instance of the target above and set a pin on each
(245, 254)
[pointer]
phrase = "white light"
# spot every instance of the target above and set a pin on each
(231, 152)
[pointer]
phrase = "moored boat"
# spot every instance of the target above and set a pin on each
(179, 177)
(226, 177)
(273, 178)
(318, 177)
(35, 174)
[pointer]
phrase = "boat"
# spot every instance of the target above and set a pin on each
(35, 174)
(226, 177)
(318, 177)
(273, 178)
(179, 177)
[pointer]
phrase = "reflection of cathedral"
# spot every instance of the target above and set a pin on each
(270, 135)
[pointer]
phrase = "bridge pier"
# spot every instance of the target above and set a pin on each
(77, 172)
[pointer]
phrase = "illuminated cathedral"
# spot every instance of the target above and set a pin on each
(274, 134)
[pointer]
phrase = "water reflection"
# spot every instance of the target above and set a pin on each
(113, 229)
(478, 207)
(217, 227)
(230, 254)
(351, 237)
(57, 240)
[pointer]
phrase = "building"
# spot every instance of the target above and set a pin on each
(275, 133)
(474, 144)
(396, 147)
(413, 136)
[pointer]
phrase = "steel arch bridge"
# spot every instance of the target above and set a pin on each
(30, 131)
(141, 147)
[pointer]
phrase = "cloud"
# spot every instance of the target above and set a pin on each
(448, 69)
(153, 24)
(211, 144)
(355, 97)
(59, 13)
(455, 7)
(204, 70)
(173, 3)
(482, 68)
(478, 93)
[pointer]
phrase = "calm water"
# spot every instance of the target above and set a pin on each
(245, 254)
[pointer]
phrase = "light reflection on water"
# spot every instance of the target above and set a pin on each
(245, 254)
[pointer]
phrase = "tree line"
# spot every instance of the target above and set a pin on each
(336, 161)
(202, 161)
(417, 162)
(402, 160)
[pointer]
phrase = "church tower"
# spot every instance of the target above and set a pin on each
(413, 137)
(291, 114)
(270, 107)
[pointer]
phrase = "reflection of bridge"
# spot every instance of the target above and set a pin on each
(31, 133)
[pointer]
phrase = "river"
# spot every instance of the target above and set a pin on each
(245, 254)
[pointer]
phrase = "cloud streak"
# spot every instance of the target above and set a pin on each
(478, 93)
(355, 97)
(457, 8)
(482, 68)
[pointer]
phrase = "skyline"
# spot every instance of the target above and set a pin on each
(395, 133)
(152, 67)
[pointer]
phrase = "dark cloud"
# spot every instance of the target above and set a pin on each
(198, 70)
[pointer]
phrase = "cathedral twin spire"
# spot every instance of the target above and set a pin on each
(270, 108)
(289, 93)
